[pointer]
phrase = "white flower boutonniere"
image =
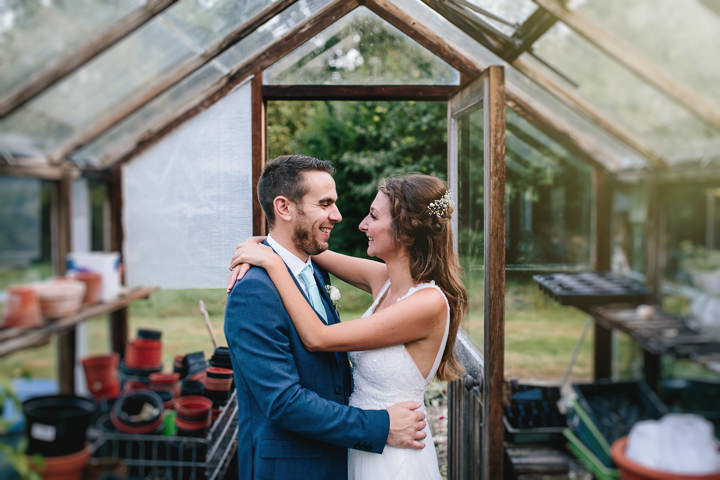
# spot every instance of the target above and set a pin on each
(334, 294)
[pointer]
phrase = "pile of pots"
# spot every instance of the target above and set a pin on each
(56, 428)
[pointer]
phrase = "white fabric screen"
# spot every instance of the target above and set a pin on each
(187, 201)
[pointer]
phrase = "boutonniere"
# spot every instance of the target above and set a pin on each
(334, 294)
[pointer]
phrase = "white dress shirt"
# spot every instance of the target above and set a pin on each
(295, 264)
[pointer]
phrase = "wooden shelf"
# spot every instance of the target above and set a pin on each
(14, 339)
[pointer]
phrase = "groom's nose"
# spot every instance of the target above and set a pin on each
(334, 215)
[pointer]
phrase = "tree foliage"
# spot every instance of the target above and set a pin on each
(366, 142)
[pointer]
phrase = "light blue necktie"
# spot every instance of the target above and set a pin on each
(307, 277)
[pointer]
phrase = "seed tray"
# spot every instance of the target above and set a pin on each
(533, 416)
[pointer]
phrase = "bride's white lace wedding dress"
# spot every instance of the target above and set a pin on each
(383, 377)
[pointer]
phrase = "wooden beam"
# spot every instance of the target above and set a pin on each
(532, 28)
(483, 32)
(703, 108)
(359, 92)
(62, 66)
(424, 36)
(41, 170)
(567, 95)
(259, 149)
(118, 318)
(276, 50)
(601, 221)
(494, 337)
(164, 83)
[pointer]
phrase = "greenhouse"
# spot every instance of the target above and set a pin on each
(580, 144)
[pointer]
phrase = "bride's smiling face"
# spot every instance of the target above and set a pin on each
(377, 225)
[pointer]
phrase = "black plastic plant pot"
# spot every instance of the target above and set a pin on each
(149, 334)
(56, 424)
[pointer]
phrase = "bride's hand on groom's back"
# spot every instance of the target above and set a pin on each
(406, 425)
(238, 268)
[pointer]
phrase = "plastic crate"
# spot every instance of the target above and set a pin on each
(588, 458)
(586, 431)
(605, 411)
(533, 416)
(173, 457)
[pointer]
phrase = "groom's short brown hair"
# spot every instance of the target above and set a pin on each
(281, 176)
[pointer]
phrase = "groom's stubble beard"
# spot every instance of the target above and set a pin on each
(303, 238)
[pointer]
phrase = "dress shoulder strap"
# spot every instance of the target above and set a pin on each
(441, 350)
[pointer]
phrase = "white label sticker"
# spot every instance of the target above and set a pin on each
(46, 433)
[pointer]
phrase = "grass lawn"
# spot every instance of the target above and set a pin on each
(540, 334)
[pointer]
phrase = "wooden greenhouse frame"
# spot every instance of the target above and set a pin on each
(57, 166)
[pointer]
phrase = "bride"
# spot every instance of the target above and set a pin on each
(406, 336)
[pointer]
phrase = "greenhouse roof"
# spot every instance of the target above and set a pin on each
(633, 84)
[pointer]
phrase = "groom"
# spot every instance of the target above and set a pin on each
(294, 421)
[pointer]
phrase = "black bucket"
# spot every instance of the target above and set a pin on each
(56, 424)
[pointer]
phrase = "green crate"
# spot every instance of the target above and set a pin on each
(591, 462)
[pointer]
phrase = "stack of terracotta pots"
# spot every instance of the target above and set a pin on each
(218, 384)
(145, 352)
(193, 415)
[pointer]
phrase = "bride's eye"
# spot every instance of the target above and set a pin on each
(372, 216)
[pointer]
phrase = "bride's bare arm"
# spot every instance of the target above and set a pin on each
(408, 320)
(362, 273)
(365, 274)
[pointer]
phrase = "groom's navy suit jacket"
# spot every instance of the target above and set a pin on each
(294, 422)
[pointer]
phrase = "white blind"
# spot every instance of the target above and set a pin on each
(187, 200)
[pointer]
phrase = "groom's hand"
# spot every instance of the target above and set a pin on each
(406, 425)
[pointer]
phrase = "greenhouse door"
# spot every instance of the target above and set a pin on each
(476, 174)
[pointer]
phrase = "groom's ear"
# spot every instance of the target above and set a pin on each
(283, 208)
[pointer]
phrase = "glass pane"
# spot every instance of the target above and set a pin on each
(674, 42)
(101, 85)
(613, 153)
(361, 48)
(120, 138)
(156, 50)
(24, 231)
(658, 121)
(207, 21)
(271, 31)
(471, 228)
(549, 201)
(514, 11)
(33, 33)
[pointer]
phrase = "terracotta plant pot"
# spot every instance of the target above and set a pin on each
(142, 353)
(60, 298)
(22, 308)
(101, 374)
(93, 286)
(67, 467)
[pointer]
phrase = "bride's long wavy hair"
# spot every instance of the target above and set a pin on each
(421, 211)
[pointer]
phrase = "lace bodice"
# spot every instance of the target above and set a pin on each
(385, 376)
